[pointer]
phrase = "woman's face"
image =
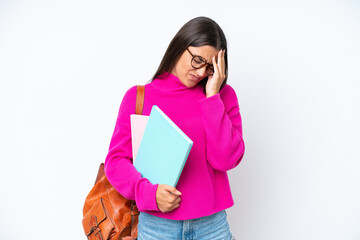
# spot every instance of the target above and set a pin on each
(188, 75)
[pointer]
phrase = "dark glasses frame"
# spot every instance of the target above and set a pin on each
(209, 66)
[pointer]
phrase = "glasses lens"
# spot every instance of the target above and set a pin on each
(198, 62)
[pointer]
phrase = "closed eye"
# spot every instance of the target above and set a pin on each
(198, 61)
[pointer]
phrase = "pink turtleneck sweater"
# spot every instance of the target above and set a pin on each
(213, 124)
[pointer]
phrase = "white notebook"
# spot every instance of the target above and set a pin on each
(138, 125)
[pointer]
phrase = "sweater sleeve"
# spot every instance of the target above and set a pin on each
(119, 168)
(223, 129)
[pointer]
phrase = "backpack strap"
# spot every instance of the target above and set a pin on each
(139, 108)
(140, 99)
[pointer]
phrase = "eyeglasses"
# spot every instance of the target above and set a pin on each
(198, 62)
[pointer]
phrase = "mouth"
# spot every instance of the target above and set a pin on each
(194, 78)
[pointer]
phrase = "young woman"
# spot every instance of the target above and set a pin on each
(190, 87)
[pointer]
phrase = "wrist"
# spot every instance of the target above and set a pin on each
(210, 94)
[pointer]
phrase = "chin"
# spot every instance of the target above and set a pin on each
(191, 84)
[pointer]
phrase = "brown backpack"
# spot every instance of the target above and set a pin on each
(107, 215)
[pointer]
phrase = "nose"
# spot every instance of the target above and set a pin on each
(201, 71)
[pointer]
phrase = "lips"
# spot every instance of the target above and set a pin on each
(194, 78)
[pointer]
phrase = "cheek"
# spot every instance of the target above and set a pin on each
(185, 68)
(188, 68)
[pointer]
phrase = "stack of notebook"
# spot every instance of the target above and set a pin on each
(160, 147)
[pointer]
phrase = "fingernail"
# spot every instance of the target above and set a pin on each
(179, 193)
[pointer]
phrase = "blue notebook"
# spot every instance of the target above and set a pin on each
(163, 150)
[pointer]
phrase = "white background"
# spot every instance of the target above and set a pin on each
(65, 66)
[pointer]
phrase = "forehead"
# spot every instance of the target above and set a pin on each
(206, 51)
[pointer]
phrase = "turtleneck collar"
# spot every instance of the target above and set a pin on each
(169, 82)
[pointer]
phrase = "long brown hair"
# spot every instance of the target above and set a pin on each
(197, 32)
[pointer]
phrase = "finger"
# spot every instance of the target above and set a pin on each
(176, 192)
(223, 58)
(221, 61)
(216, 69)
(176, 206)
(172, 198)
(171, 189)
